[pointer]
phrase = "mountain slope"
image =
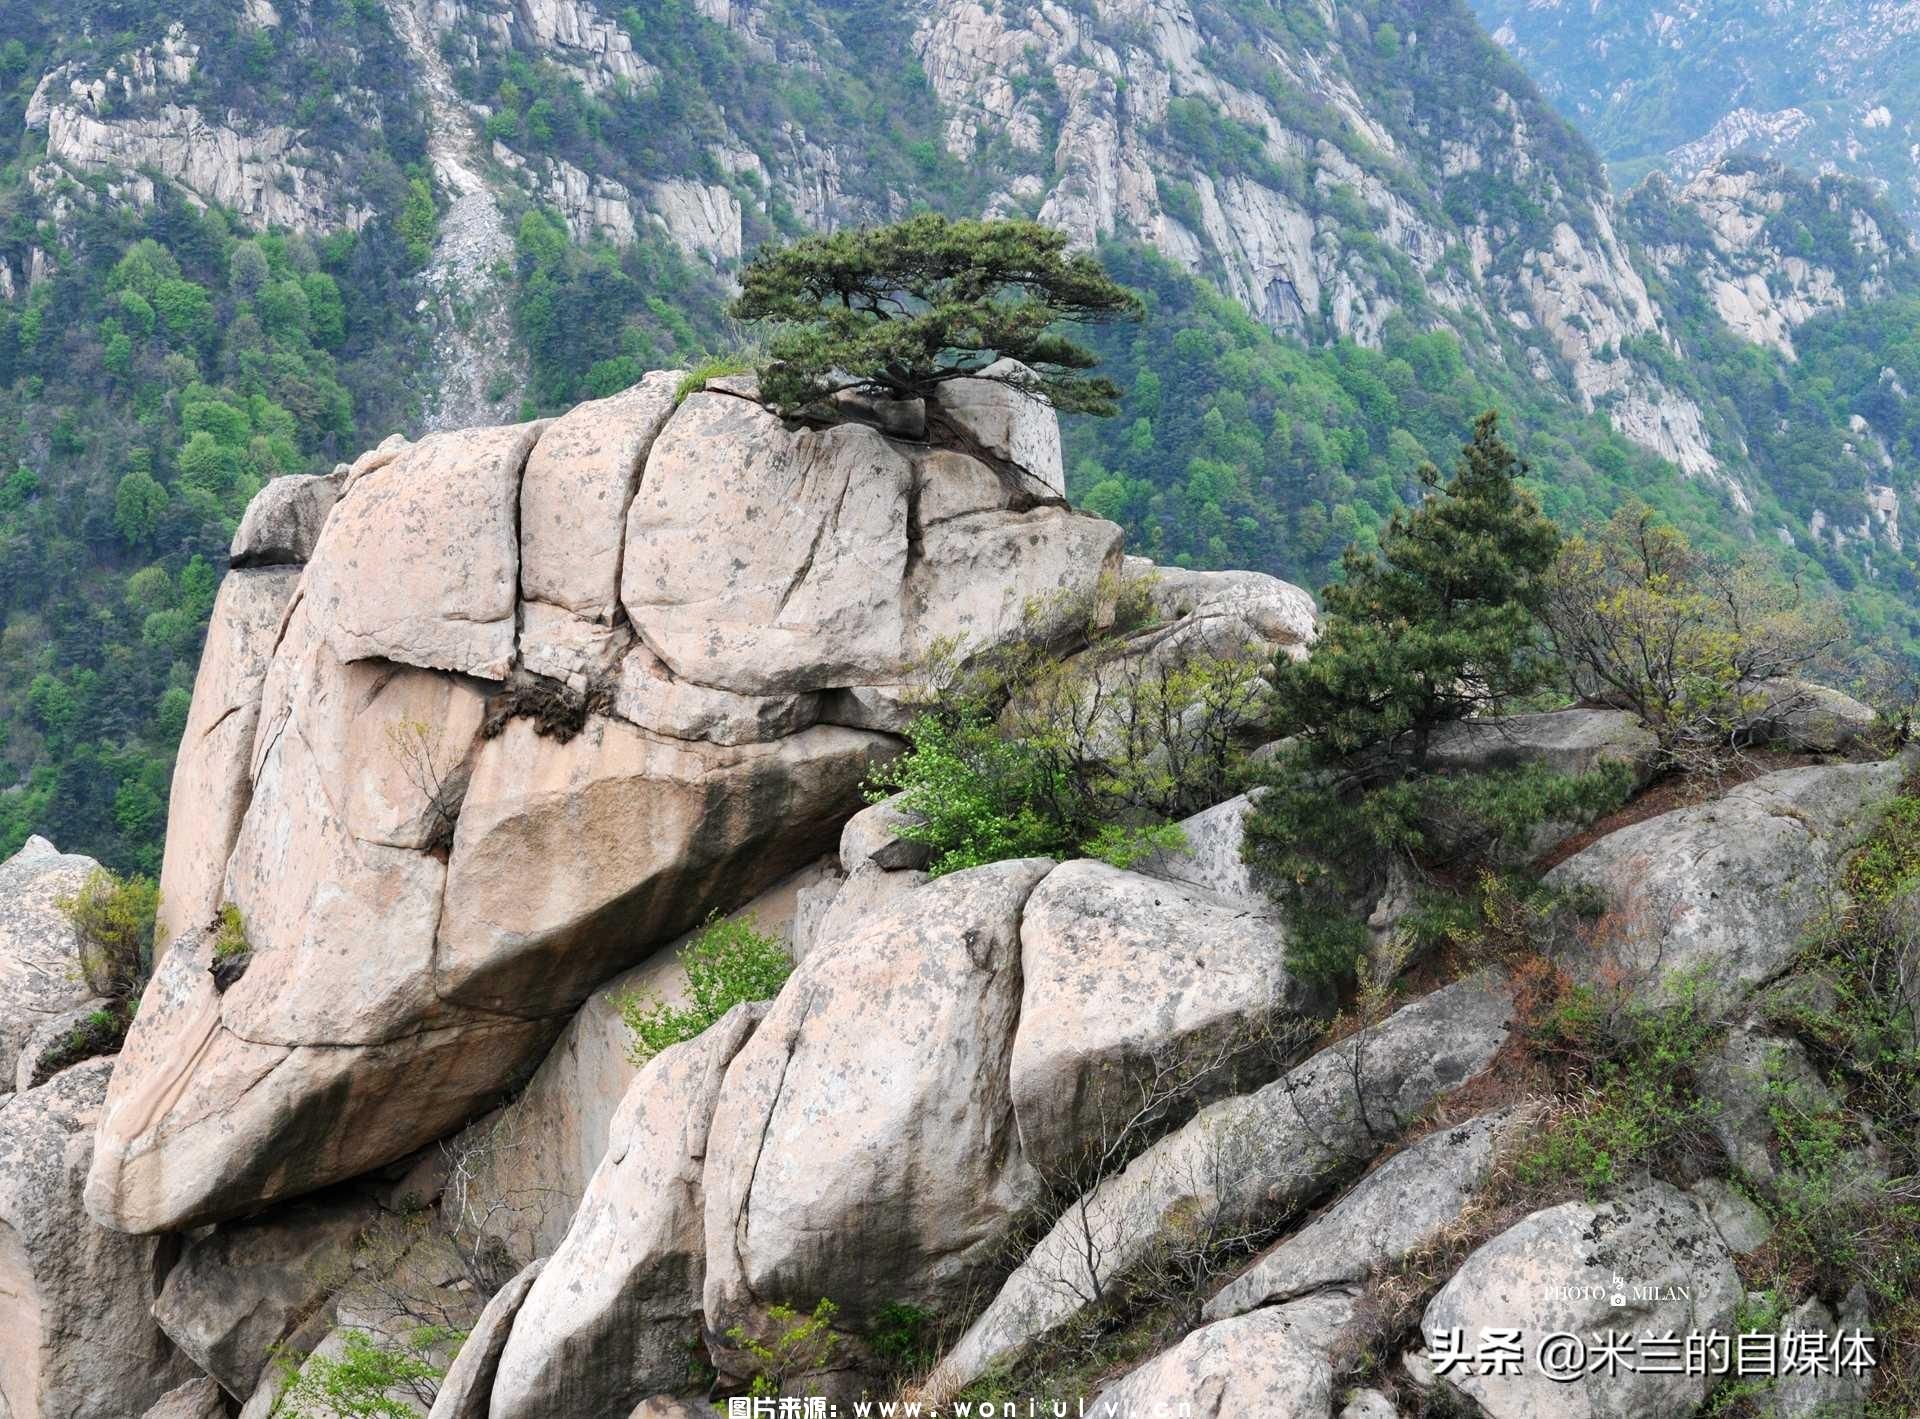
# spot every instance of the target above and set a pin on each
(1823, 86)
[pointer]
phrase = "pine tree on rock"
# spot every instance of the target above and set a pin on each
(897, 311)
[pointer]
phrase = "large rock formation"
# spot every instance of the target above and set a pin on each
(40, 975)
(1725, 891)
(614, 1322)
(447, 829)
(1647, 1261)
(864, 1145)
(1254, 1155)
(76, 1340)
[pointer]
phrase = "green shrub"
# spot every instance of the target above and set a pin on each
(1639, 1103)
(230, 936)
(802, 1343)
(114, 919)
(710, 367)
(899, 1336)
(973, 795)
(102, 1032)
(728, 962)
(365, 1378)
(1318, 847)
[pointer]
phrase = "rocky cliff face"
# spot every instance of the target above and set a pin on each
(1330, 173)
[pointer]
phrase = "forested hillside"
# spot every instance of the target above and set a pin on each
(245, 238)
(1823, 85)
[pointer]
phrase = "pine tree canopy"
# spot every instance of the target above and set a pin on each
(896, 311)
(1441, 622)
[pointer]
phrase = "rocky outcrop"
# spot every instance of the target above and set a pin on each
(1238, 1161)
(410, 761)
(467, 1389)
(440, 524)
(212, 777)
(282, 524)
(241, 1290)
(1396, 1208)
(821, 522)
(1569, 741)
(1131, 987)
(1726, 890)
(76, 1340)
(1647, 1261)
(518, 1174)
(40, 976)
(612, 1324)
(1273, 1362)
(196, 1399)
(887, 1052)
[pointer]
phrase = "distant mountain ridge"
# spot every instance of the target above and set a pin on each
(1823, 86)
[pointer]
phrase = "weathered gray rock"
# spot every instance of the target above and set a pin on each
(412, 1280)
(196, 1399)
(864, 1147)
(1273, 1363)
(1128, 980)
(1241, 1160)
(1562, 1269)
(1745, 1079)
(1799, 714)
(609, 1324)
(244, 1287)
(50, 1048)
(816, 590)
(764, 561)
(990, 578)
(419, 562)
(1390, 1212)
(1727, 889)
(212, 777)
(1809, 1395)
(1211, 858)
(833, 909)
(561, 645)
(1222, 611)
(636, 837)
(663, 1406)
(282, 524)
(76, 1340)
(519, 1174)
(1739, 1221)
(1569, 741)
(1369, 1404)
(580, 478)
(40, 976)
(1008, 424)
(467, 1390)
(871, 836)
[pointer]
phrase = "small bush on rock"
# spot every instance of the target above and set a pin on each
(708, 368)
(728, 962)
(801, 1343)
(114, 919)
